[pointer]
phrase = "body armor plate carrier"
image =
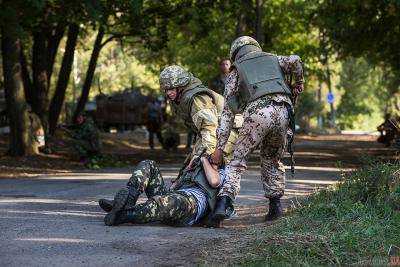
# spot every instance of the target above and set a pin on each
(259, 74)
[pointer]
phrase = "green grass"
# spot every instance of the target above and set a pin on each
(354, 222)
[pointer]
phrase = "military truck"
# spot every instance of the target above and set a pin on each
(124, 110)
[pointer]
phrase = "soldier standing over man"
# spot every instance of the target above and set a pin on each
(259, 86)
(217, 84)
(200, 109)
(196, 105)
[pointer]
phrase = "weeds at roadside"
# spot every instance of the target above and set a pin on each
(353, 222)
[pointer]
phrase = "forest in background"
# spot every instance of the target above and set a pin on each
(69, 51)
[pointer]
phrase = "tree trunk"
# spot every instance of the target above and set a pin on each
(259, 28)
(20, 144)
(53, 42)
(90, 73)
(63, 78)
(39, 73)
(26, 78)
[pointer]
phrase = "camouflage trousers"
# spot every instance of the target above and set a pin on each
(266, 125)
(163, 205)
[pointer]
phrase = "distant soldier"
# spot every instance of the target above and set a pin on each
(259, 86)
(154, 121)
(217, 84)
(171, 138)
(86, 137)
(389, 130)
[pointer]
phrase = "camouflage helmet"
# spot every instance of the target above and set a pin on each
(239, 43)
(174, 76)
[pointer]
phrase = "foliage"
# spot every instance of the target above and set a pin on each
(308, 107)
(353, 223)
(367, 29)
(362, 103)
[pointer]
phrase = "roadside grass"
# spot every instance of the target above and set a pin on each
(354, 222)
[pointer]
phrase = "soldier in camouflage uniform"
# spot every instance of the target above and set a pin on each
(86, 137)
(259, 84)
(190, 198)
(200, 109)
(196, 105)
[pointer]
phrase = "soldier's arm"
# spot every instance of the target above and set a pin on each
(292, 65)
(205, 118)
(227, 117)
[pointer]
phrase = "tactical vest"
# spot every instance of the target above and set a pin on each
(259, 74)
(183, 109)
(197, 177)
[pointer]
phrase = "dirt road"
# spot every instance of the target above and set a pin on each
(55, 220)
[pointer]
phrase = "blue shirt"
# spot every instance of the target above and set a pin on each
(201, 198)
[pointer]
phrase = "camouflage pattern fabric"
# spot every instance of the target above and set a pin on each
(164, 205)
(174, 76)
(239, 43)
(266, 122)
(86, 139)
(174, 208)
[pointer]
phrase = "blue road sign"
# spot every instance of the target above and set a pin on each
(330, 98)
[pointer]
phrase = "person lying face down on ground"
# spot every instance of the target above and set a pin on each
(188, 201)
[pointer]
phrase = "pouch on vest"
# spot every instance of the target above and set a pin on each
(260, 74)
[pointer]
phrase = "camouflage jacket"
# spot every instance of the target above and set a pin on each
(291, 67)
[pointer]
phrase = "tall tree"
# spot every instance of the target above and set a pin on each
(19, 144)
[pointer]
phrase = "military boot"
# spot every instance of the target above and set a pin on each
(106, 204)
(223, 209)
(275, 209)
(120, 200)
(120, 217)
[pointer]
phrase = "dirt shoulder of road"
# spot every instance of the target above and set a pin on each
(311, 150)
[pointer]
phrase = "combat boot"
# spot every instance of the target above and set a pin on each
(106, 204)
(223, 209)
(121, 217)
(120, 201)
(275, 209)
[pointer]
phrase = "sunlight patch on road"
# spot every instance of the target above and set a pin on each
(316, 182)
(57, 240)
(68, 213)
(45, 200)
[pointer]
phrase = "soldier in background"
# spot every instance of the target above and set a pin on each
(86, 137)
(217, 84)
(389, 130)
(154, 121)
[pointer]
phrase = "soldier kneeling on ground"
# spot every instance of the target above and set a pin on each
(190, 199)
(86, 137)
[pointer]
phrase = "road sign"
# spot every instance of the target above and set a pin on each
(330, 98)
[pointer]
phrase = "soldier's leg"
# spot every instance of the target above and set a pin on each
(271, 153)
(159, 136)
(257, 122)
(171, 208)
(146, 177)
(151, 139)
(272, 150)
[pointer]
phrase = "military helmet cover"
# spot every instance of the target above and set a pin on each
(239, 43)
(174, 76)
